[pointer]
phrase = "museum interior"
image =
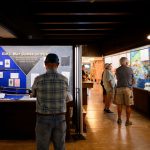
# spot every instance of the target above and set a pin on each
(81, 32)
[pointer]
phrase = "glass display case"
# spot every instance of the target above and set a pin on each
(20, 65)
(139, 60)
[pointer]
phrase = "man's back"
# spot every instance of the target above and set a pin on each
(124, 76)
(51, 91)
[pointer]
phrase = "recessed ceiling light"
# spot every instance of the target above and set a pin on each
(148, 37)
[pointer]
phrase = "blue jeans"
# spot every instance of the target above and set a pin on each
(50, 129)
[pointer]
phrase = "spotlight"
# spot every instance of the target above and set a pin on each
(148, 37)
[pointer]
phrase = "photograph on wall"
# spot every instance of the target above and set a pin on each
(11, 82)
(65, 61)
(7, 63)
(17, 82)
(14, 75)
(1, 74)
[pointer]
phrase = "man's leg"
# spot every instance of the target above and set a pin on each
(59, 134)
(43, 134)
(119, 109)
(128, 112)
(128, 102)
(108, 102)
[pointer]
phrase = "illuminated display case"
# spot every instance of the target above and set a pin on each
(139, 59)
(19, 65)
(140, 62)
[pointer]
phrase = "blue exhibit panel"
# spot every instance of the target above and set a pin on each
(8, 67)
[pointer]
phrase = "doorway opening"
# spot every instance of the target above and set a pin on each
(92, 96)
(94, 67)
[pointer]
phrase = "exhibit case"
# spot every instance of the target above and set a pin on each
(139, 61)
(19, 65)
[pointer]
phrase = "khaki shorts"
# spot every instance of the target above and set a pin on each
(124, 96)
(110, 94)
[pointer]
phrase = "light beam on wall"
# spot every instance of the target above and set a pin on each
(5, 33)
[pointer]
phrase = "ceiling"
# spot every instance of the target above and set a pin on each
(113, 25)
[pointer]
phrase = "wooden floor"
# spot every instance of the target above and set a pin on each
(103, 133)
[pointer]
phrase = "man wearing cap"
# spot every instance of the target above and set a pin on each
(51, 91)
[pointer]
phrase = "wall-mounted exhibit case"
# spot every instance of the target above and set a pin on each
(19, 65)
(139, 59)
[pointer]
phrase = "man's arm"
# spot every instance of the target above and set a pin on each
(108, 77)
(69, 96)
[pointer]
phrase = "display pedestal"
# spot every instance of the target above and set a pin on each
(85, 86)
(18, 119)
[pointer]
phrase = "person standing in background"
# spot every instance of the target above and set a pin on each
(51, 90)
(124, 94)
(84, 75)
(104, 91)
(109, 85)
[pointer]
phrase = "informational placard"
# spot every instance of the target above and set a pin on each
(33, 76)
(14, 75)
(7, 63)
(1, 63)
(11, 82)
(1, 74)
(2, 95)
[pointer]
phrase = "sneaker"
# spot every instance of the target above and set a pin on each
(105, 109)
(119, 121)
(128, 123)
(108, 111)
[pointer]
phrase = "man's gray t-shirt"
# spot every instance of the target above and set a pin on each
(124, 76)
